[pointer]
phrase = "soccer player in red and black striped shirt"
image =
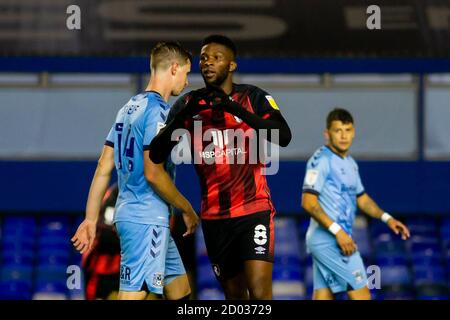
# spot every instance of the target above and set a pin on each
(237, 212)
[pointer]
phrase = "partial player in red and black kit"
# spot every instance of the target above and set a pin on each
(237, 212)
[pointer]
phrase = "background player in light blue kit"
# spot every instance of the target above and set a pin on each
(150, 261)
(332, 191)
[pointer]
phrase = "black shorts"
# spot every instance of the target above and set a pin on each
(230, 242)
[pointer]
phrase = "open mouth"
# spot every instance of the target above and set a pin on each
(209, 73)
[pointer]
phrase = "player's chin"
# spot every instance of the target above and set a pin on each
(343, 147)
(176, 93)
(211, 80)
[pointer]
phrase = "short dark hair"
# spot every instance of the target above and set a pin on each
(338, 114)
(220, 39)
(164, 53)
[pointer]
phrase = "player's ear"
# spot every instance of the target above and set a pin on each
(174, 68)
(326, 135)
(233, 66)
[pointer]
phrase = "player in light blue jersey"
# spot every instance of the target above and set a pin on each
(332, 192)
(150, 261)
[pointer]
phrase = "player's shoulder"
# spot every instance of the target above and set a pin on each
(352, 161)
(154, 100)
(320, 156)
(249, 89)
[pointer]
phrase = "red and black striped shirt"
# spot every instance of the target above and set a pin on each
(229, 189)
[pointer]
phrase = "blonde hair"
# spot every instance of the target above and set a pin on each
(165, 53)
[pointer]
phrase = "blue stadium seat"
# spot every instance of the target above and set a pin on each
(210, 294)
(286, 273)
(20, 243)
(291, 248)
(287, 260)
(432, 292)
(16, 273)
(206, 277)
(383, 248)
(200, 246)
(285, 230)
(54, 290)
(47, 273)
(429, 275)
(303, 225)
(395, 275)
(421, 260)
(362, 240)
(288, 283)
(54, 244)
(53, 257)
(377, 227)
(391, 260)
(289, 290)
(16, 257)
(397, 292)
(309, 278)
(422, 226)
(203, 260)
(15, 290)
(19, 222)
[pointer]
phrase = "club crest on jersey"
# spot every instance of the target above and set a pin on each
(216, 269)
(358, 275)
(158, 280)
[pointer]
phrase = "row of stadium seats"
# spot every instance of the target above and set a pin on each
(35, 256)
(36, 252)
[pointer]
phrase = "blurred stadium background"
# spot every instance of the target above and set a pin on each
(60, 90)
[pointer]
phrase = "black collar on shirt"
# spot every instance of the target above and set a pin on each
(335, 152)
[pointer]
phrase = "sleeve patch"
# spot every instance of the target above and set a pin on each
(311, 177)
(272, 102)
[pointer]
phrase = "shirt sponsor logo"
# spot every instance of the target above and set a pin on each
(260, 250)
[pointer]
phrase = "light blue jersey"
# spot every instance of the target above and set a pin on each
(337, 183)
(135, 126)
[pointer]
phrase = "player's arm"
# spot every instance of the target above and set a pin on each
(310, 203)
(183, 108)
(161, 182)
(85, 234)
(269, 121)
(273, 121)
(368, 206)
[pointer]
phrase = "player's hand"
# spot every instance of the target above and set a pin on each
(398, 228)
(85, 236)
(197, 103)
(346, 243)
(222, 101)
(217, 96)
(191, 220)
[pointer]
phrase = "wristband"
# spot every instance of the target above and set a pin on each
(385, 217)
(334, 228)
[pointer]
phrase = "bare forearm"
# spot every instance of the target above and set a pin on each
(318, 214)
(96, 193)
(370, 208)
